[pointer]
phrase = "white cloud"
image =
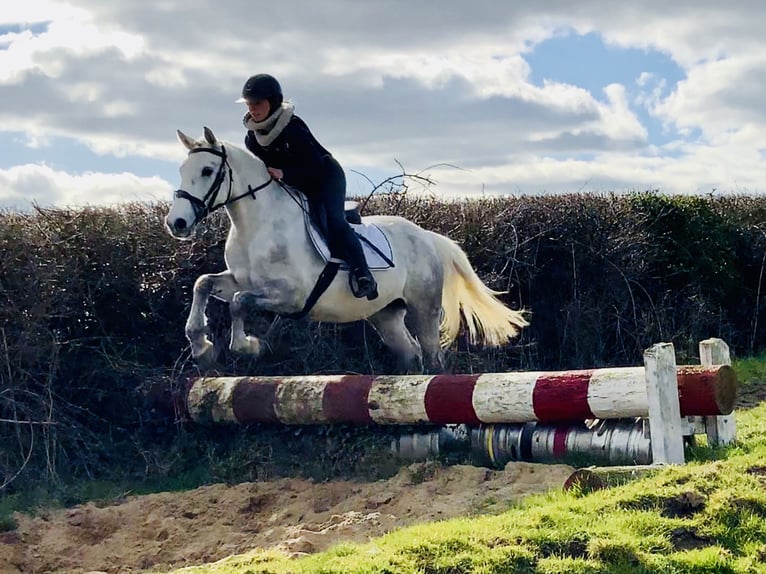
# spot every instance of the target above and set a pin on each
(24, 185)
(618, 122)
(70, 34)
(719, 96)
(36, 11)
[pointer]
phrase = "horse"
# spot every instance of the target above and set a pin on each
(269, 256)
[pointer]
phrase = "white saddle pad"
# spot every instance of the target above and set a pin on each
(375, 244)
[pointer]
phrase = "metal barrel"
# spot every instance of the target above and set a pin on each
(618, 441)
(612, 441)
(433, 443)
(608, 442)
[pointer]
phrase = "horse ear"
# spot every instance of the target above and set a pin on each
(185, 140)
(210, 136)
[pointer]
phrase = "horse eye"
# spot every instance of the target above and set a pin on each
(207, 171)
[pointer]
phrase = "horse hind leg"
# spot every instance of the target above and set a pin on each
(389, 324)
(424, 325)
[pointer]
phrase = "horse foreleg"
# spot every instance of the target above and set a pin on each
(219, 285)
(202, 349)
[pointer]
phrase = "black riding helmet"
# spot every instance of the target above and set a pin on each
(263, 87)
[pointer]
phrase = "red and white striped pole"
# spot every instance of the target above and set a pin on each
(454, 399)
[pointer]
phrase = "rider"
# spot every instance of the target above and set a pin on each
(292, 154)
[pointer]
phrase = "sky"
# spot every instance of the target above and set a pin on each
(483, 97)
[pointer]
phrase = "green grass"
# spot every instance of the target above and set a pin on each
(751, 369)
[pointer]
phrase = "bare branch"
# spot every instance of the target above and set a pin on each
(18, 422)
(24, 464)
(401, 179)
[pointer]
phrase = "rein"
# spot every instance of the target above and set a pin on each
(205, 206)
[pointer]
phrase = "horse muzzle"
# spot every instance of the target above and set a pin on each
(179, 227)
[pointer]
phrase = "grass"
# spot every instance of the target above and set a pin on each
(708, 516)
(751, 369)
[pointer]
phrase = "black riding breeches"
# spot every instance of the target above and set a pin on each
(329, 200)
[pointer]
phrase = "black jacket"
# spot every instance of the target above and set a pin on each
(297, 153)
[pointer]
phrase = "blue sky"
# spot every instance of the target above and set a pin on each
(586, 61)
(526, 99)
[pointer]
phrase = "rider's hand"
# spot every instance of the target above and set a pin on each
(275, 172)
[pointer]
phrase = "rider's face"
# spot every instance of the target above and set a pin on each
(259, 109)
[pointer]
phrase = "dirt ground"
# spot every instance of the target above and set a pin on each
(170, 530)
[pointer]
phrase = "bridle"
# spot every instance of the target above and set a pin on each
(205, 206)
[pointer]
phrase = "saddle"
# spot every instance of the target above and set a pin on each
(375, 245)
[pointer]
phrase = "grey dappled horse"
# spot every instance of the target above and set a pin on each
(269, 256)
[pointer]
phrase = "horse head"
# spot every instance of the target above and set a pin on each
(206, 178)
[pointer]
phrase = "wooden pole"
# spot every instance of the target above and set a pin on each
(720, 429)
(665, 425)
(518, 397)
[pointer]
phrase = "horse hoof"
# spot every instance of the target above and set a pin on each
(247, 346)
(206, 356)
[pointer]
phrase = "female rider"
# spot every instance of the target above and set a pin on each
(293, 155)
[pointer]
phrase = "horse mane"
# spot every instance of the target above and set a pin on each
(228, 145)
(209, 140)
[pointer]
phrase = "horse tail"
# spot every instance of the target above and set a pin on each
(488, 320)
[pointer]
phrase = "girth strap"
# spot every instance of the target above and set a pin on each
(323, 282)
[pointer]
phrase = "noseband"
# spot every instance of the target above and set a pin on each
(205, 206)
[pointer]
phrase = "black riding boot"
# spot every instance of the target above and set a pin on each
(360, 279)
(363, 283)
